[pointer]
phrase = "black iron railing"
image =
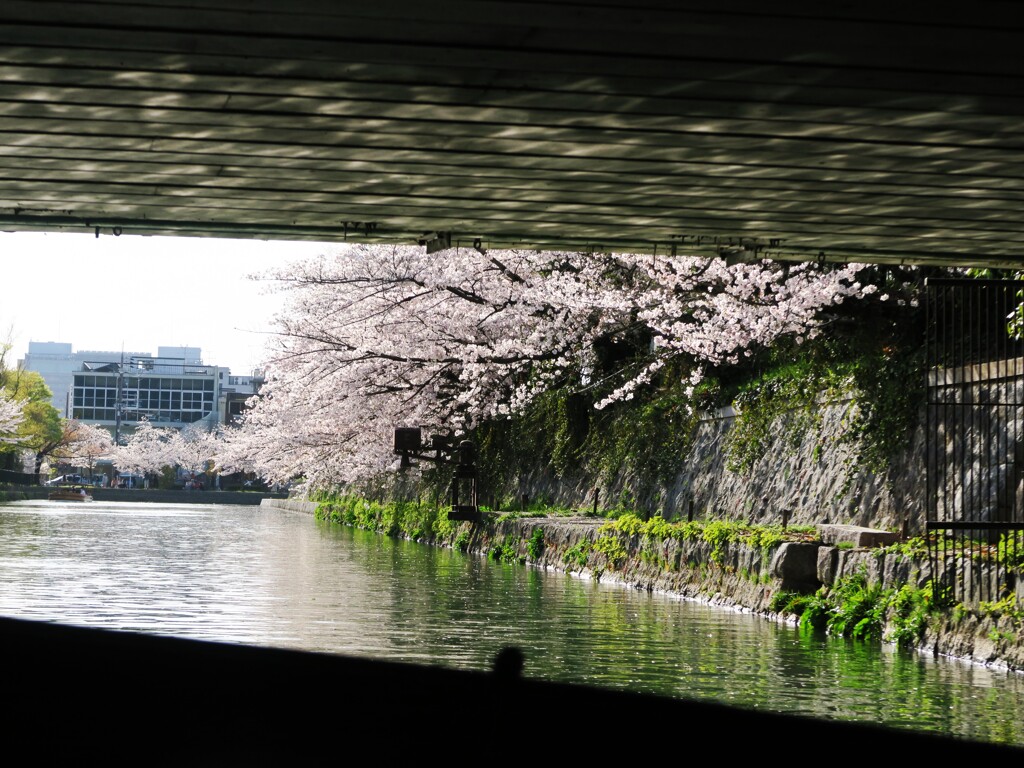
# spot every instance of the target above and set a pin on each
(974, 438)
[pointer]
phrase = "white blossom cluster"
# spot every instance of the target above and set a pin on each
(151, 448)
(377, 337)
(10, 418)
(147, 450)
(84, 442)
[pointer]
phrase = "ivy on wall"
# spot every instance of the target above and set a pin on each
(873, 363)
(880, 374)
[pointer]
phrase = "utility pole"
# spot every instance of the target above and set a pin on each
(118, 404)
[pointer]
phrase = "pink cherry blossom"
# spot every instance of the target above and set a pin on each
(376, 337)
(10, 418)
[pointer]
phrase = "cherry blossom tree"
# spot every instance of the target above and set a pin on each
(84, 443)
(193, 448)
(10, 418)
(149, 449)
(376, 337)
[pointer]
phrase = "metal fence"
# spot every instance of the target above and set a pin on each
(974, 439)
(9, 477)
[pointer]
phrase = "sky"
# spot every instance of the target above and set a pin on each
(137, 293)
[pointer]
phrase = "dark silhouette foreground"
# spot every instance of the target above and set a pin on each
(94, 690)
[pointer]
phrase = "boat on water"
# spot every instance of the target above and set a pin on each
(70, 494)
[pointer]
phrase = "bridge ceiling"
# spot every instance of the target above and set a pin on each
(873, 131)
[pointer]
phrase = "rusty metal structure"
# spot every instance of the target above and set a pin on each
(794, 130)
(975, 438)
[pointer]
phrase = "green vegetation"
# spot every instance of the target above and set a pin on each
(854, 608)
(412, 519)
(716, 533)
(791, 391)
(506, 551)
(563, 431)
(577, 554)
(535, 544)
(879, 377)
(788, 602)
(1007, 607)
(851, 608)
(613, 549)
(1010, 552)
(909, 612)
(915, 547)
(1007, 552)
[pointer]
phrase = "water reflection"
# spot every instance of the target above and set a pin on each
(246, 575)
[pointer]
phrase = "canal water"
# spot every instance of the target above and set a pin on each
(243, 574)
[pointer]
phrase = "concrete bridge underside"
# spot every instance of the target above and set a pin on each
(861, 131)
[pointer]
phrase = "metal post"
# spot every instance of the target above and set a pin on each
(118, 405)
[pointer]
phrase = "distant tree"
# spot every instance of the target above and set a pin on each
(41, 430)
(35, 424)
(149, 449)
(194, 449)
(10, 408)
(84, 443)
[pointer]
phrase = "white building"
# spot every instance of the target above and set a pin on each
(56, 362)
(117, 390)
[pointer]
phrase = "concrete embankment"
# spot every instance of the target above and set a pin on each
(151, 495)
(727, 574)
(291, 505)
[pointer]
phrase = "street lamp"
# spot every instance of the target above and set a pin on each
(463, 490)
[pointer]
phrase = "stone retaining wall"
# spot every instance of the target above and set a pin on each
(811, 476)
(810, 480)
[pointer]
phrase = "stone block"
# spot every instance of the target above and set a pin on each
(795, 565)
(856, 535)
(828, 560)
